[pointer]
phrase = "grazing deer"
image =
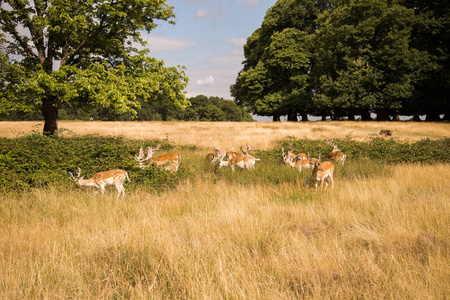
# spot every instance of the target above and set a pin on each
(230, 154)
(244, 161)
(292, 156)
(102, 179)
(298, 163)
(220, 161)
(322, 171)
(168, 162)
(217, 155)
(336, 154)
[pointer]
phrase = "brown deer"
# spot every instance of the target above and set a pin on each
(244, 161)
(336, 154)
(322, 171)
(168, 162)
(100, 180)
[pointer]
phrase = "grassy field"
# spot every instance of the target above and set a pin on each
(382, 232)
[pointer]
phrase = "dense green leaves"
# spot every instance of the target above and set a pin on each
(34, 160)
(84, 54)
(353, 58)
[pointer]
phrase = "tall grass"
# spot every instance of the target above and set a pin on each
(260, 135)
(382, 232)
(382, 236)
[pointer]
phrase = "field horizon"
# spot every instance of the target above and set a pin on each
(381, 232)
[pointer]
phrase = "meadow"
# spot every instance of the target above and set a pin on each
(382, 232)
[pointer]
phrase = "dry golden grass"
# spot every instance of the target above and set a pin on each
(260, 135)
(368, 238)
(381, 236)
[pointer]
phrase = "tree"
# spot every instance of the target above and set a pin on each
(81, 53)
(274, 80)
(363, 59)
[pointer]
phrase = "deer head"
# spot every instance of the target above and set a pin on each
(77, 180)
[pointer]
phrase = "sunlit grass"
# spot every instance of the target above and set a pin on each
(382, 232)
(260, 135)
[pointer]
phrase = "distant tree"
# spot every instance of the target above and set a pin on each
(431, 35)
(363, 59)
(81, 54)
(274, 80)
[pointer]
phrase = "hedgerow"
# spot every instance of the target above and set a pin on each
(34, 160)
(37, 161)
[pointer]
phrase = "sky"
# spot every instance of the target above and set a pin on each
(208, 40)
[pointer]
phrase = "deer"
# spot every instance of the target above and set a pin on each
(100, 180)
(168, 162)
(244, 161)
(216, 156)
(230, 154)
(298, 163)
(221, 162)
(336, 154)
(322, 171)
(292, 156)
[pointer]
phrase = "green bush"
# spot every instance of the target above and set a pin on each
(35, 160)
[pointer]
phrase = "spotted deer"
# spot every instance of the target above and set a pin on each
(298, 163)
(244, 161)
(292, 156)
(168, 162)
(216, 156)
(100, 180)
(336, 154)
(322, 171)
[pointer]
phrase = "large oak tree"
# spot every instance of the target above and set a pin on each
(84, 53)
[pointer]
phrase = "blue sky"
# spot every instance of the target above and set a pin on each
(208, 40)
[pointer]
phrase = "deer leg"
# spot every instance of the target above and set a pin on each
(332, 181)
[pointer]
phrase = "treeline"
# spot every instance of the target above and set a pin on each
(349, 59)
(202, 108)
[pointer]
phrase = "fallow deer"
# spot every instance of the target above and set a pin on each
(100, 180)
(298, 163)
(322, 171)
(168, 162)
(244, 161)
(336, 154)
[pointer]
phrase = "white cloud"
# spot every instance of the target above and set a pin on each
(207, 81)
(248, 3)
(200, 14)
(160, 42)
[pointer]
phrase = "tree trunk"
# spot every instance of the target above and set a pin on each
(382, 115)
(50, 112)
(365, 116)
(432, 117)
(324, 117)
(351, 117)
(276, 118)
(304, 117)
(292, 117)
(396, 116)
(416, 118)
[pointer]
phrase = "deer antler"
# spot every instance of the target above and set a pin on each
(245, 153)
(328, 142)
(248, 148)
(78, 175)
(157, 147)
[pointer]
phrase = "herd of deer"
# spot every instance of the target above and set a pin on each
(321, 171)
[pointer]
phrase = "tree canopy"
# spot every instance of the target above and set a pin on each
(84, 54)
(348, 57)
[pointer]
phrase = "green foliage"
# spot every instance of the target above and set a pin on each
(387, 151)
(98, 65)
(35, 160)
(347, 58)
